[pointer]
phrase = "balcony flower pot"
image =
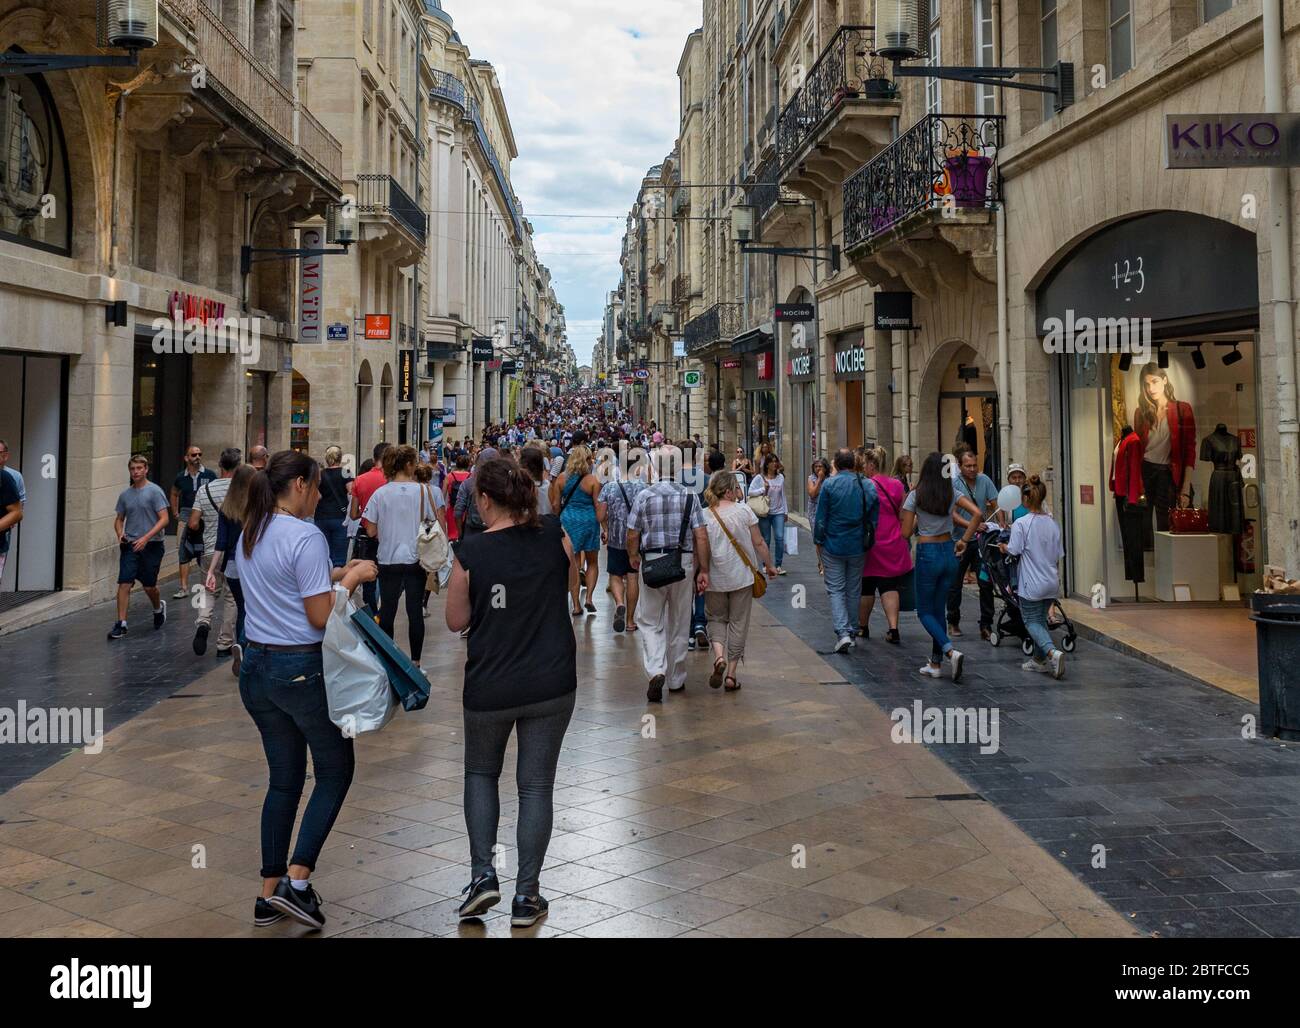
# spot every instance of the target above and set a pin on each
(967, 176)
(879, 89)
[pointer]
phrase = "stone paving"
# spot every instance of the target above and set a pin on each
(695, 831)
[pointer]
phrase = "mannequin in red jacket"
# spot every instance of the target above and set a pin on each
(1130, 502)
(1167, 428)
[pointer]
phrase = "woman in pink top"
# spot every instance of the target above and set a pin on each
(890, 560)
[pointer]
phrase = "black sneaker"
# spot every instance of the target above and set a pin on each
(302, 906)
(526, 911)
(655, 694)
(200, 638)
(484, 893)
(690, 644)
(265, 915)
(701, 639)
(620, 618)
(160, 616)
(118, 632)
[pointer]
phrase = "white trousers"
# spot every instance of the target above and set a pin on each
(664, 619)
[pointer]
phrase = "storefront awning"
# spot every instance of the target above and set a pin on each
(752, 341)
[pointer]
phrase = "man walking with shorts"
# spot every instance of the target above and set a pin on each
(141, 519)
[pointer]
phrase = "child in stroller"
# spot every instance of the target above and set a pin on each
(1002, 569)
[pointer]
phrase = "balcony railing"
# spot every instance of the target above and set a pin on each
(252, 88)
(845, 70)
(681, 202)
(767, 191)
(721, 322)
(681, 289)
(944, 160)
(381, 194)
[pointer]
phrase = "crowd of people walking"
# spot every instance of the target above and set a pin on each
(691, 540)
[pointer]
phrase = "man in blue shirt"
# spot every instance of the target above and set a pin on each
(11, 511)
(847, 510)
(980, 490)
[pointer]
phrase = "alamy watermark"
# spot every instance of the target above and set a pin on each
(53, 726)
(1098, 335)
(946, 726)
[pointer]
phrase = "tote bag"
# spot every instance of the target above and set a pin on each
(356, 684)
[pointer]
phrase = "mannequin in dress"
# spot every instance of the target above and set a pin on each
(1227, 488)
(1167, 428)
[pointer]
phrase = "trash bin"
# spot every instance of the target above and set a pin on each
(1277, 632)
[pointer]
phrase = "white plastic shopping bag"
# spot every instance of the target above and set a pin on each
(356, 683)
(792, 540)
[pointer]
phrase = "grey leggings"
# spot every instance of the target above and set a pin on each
(541, 728)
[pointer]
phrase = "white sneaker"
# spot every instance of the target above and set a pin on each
(930, 671)
(1057, 663)
(844, 644)
(955, 661)
(1033, 665)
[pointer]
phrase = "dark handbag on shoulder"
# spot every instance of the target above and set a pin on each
(669, 569)
(868, 528)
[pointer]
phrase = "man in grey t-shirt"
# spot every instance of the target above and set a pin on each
(142, 512)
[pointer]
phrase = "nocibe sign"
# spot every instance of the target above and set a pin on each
(1232, 140)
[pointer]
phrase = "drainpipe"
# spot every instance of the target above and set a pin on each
(119, 115)
(1004, 344)
(1279, 192)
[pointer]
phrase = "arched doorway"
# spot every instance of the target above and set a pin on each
(365, 410)
(385, 398)
(300, 415)
(959, 405)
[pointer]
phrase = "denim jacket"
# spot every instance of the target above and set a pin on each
(839, 528)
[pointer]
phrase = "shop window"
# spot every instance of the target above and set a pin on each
(1211, 9)
(300, 415)
(984, 56)
(1050, 48)
(35, 189)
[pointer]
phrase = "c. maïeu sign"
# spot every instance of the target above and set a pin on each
(1232, 140)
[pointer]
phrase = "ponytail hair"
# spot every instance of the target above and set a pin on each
(267, 486)
(719, 485)
(397, 459)
(1035, 492)
(510, 487)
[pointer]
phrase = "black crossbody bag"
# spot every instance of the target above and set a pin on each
(669, 569)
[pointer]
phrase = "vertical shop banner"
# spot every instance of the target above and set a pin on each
(311, 284)
(449, 411)
(406, 376)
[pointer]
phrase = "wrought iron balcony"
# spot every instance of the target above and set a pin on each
(681, 203)
(943, 161)
(251, 88)
(767, 191)
(845, 70)
(720, 323)
(381, 195)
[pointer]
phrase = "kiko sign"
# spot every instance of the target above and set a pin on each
(1232, 140)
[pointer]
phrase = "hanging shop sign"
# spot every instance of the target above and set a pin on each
(692, 379)
(731, 363)
(509, 367)
(801, 368)
(311, 280)
(790, 313)
(379, 326)
(482, 348)
(850, 358)
(1232, 140)
(493, 365)
(641, 374)
(893, 311)
(406, 376)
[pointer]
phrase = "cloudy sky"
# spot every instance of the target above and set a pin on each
(592, 92)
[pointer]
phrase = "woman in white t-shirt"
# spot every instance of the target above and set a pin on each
(1036, 540)
(394, 515)
(735, 547)
(283, 564)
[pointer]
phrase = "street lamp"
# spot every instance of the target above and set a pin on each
(742, 230)
(904, 25)
(130, 25)
(340, 230)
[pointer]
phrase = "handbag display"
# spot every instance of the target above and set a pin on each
(669, 569)
(431, 544)
(1189, 520)
(761, 505)
(760, 581)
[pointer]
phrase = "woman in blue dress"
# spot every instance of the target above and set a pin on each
(574, 496)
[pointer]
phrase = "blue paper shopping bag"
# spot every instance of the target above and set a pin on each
(407, 680)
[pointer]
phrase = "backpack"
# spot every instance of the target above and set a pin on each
(455, 488)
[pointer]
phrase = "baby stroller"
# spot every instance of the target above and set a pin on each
(1001, 569)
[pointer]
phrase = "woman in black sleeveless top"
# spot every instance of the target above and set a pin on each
(332, 510)
(507, 588)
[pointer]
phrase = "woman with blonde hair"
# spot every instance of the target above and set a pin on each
(575, 498)
(229, 525)
(735, 546)
(332, 511)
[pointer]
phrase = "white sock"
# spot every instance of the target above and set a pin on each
(300, 884)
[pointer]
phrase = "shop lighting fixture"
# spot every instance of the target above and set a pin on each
(1232, 358)
(1198, 358)
(1125, 361)
(1163, 357)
